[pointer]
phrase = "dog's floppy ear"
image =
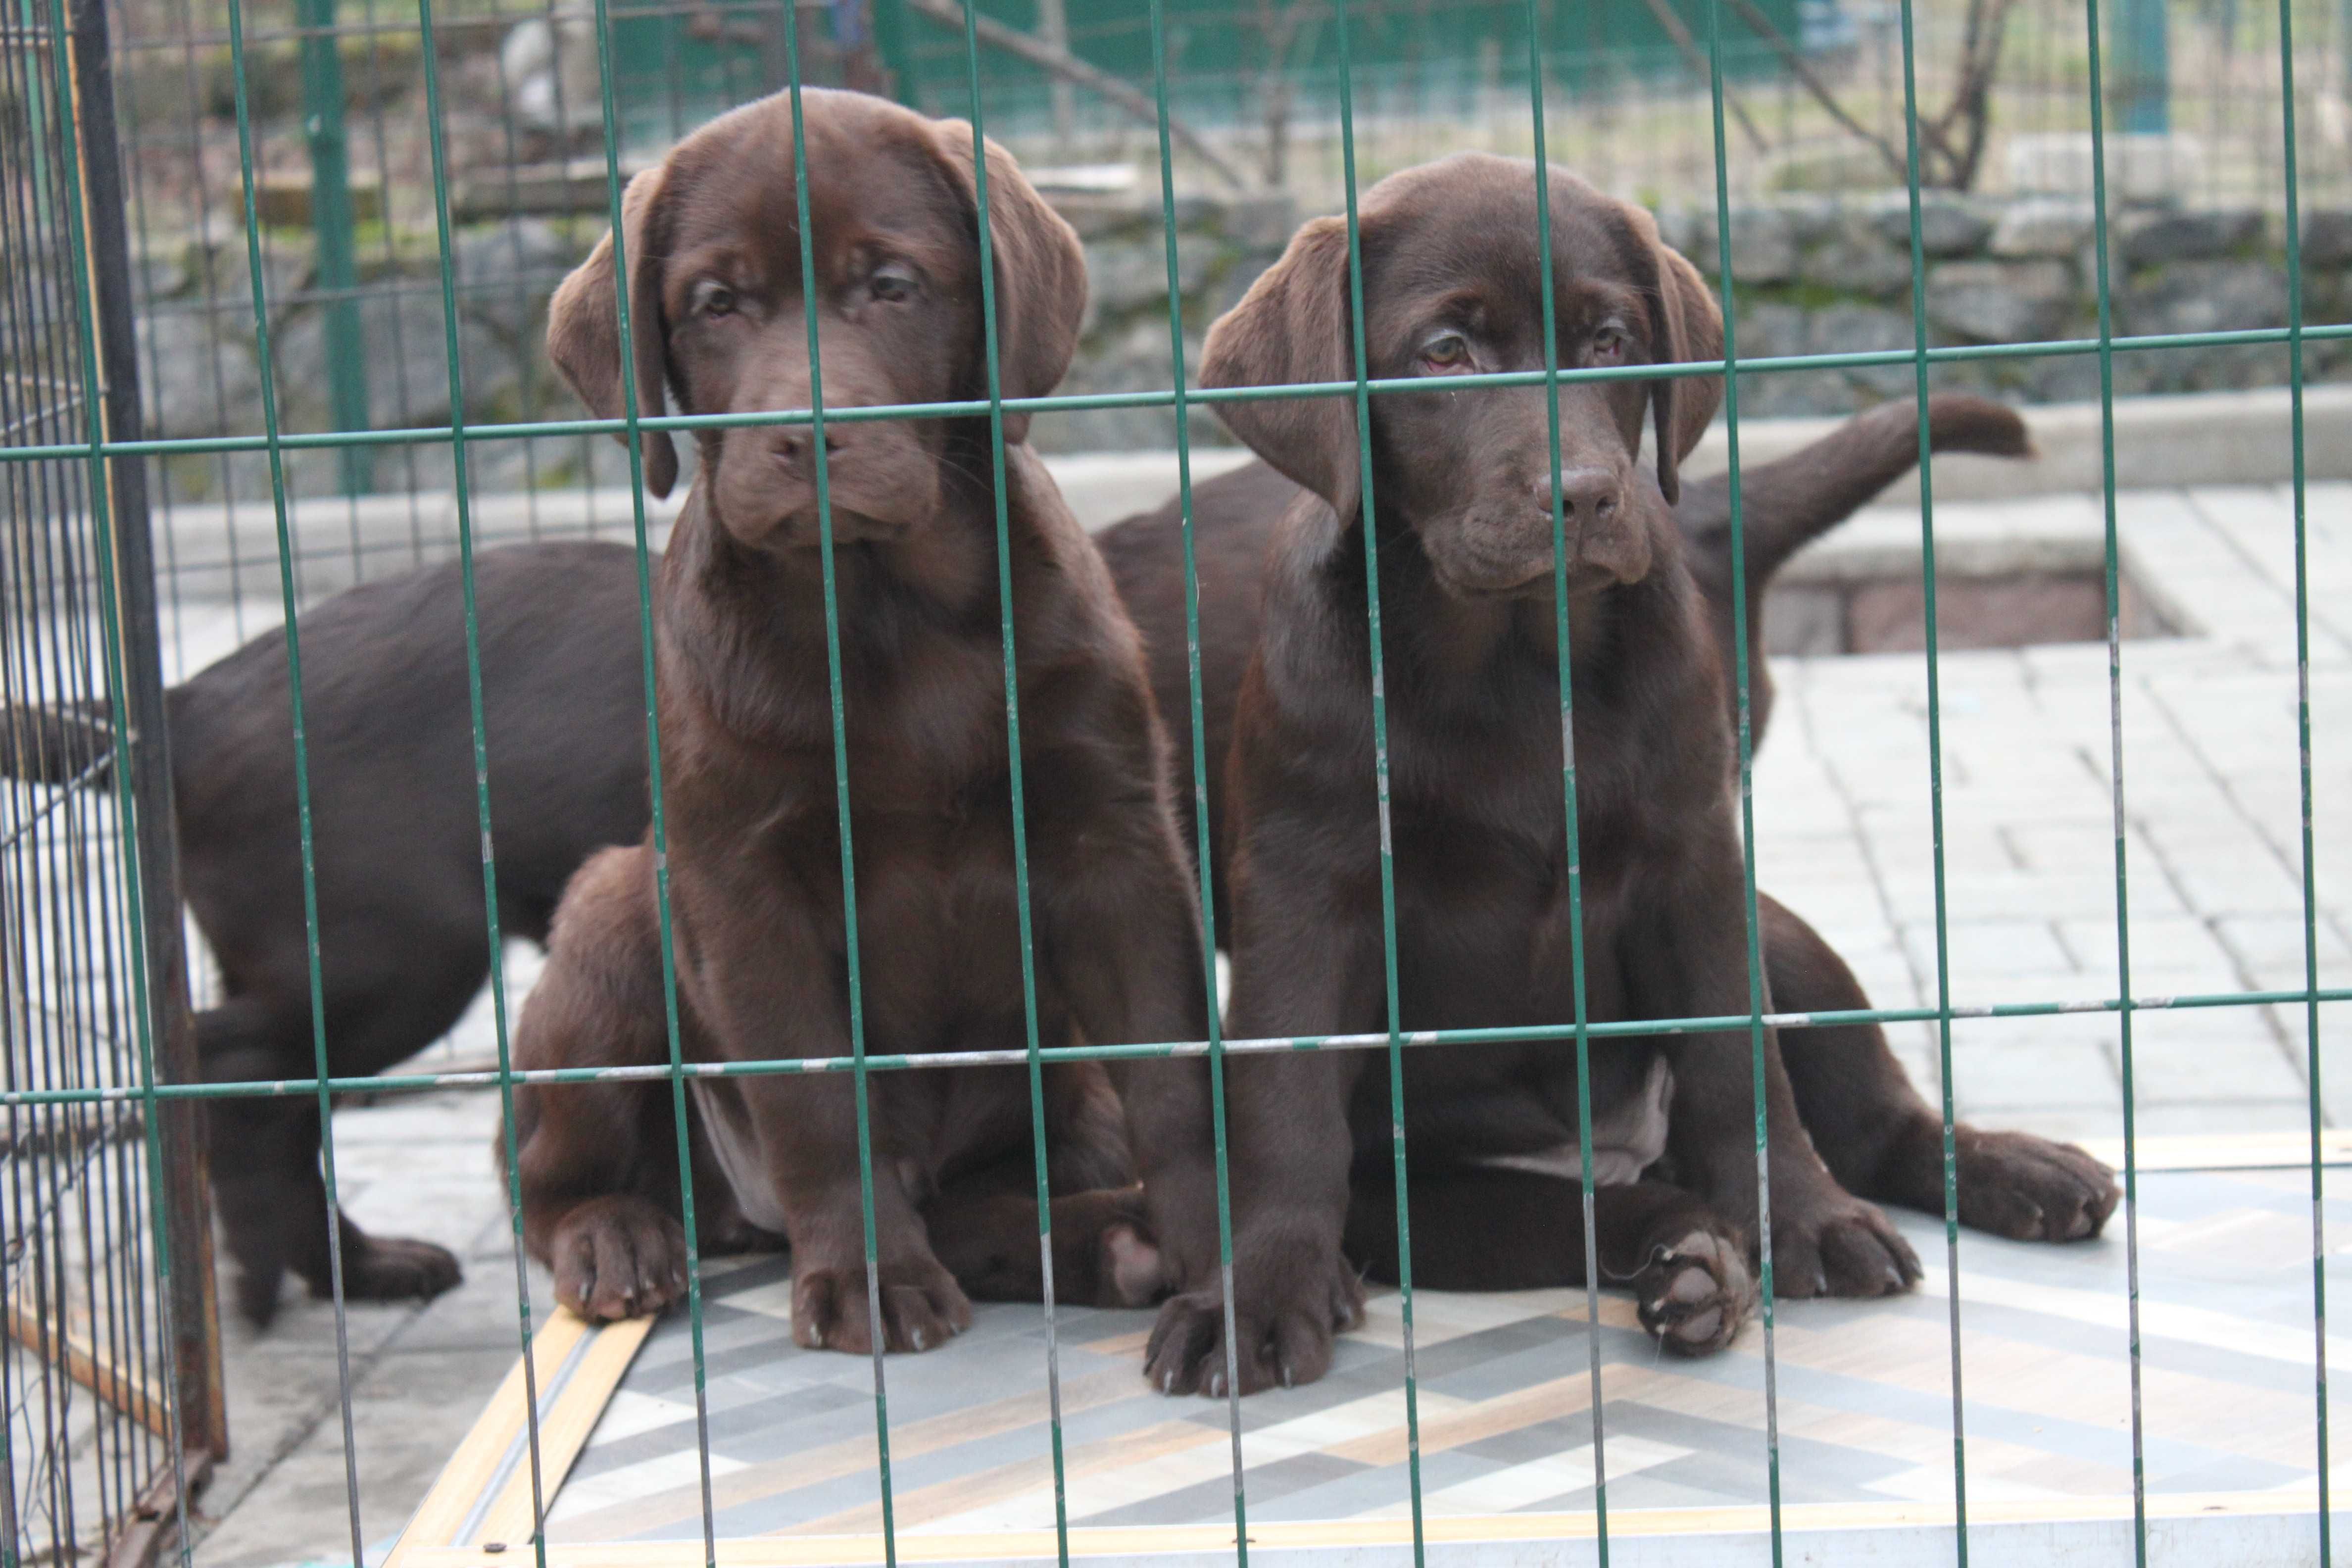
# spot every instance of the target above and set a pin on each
(1686, 324)
(1041, 272)
(584, 329)
(1293, 326)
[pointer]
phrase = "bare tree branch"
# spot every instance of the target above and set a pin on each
(1698, 63)
(1761, 26)
(1069, 68)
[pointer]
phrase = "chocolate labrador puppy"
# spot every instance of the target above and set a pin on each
(1786, 504)
(1461, 511)
(755, 850)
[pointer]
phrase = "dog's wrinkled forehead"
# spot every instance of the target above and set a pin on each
(876, 180)
(1471, 224)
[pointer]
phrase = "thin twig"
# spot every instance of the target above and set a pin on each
(1069, 68)
(1762, 26)
(1698, 63)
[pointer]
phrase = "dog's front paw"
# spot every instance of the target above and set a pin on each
(922, 1308)
(2031, 1189)
(1283, 1321)
(1695, 1291)
(394, 1268)
(1835, 1244)
(618, 1256)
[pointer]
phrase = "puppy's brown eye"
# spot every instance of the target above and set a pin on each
(1609, 346)
(1446, 350)
(892, 284)
(715, 299)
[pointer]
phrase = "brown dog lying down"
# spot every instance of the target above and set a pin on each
(754, 854)
(1786, 504)
(1464, 514)
(403, 943)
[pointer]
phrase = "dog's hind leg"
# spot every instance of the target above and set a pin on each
(267, 1178)
(598, 1160)
(1882, 1140)
(1495, 1228)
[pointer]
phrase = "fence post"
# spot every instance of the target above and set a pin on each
(331, 224)
(194, 1322)
(2147, 58)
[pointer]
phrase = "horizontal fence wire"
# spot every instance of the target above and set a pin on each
(1627, 1028)
(1072, 403)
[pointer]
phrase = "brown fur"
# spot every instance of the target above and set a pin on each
(755, 849)
(1464, 527)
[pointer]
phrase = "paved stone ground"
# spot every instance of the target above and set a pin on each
(1843, 815)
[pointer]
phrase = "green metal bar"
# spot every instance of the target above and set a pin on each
(2123, 940)
(119, 678)
(512, 1165)
(1634, 1028)
(1205, 859)
(826, 556)
(1747, 769)
(2296, 333)
(993, 359)
(631, 429)
(331, 225)
(255, 272)
(1380, 767)
(2313, 333)
(1936, 783)
(1572, 845)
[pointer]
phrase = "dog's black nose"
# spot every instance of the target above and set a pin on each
(1586, 494)
(790, 444)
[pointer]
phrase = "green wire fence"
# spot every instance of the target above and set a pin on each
(83, 622)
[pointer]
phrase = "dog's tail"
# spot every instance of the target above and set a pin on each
(1788, 504)
(68, 744)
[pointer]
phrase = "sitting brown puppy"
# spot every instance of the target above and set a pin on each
(755, 850)
(1462, 505)
(1786, 505)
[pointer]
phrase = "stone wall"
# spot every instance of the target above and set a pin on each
(1810, 276)
(1816, 275)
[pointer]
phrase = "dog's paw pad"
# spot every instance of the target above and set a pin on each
(1695, 1293)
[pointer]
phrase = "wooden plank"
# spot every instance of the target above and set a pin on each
(563, 1431)
(480, 1452)
(1500, 1529)
(86, 1364)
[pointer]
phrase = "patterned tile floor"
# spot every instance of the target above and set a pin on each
(1865, 1399)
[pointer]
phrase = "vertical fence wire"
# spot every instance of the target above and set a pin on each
(1572, 841)
(2294, 305)
(478, 723)
(991, 360)
(2123, 944)
(115, 676)
(1934, 671)
(1360, 361)
(1741, 658)
(1204, 861)
(257, 273)
(825, 556)
(636, 435)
